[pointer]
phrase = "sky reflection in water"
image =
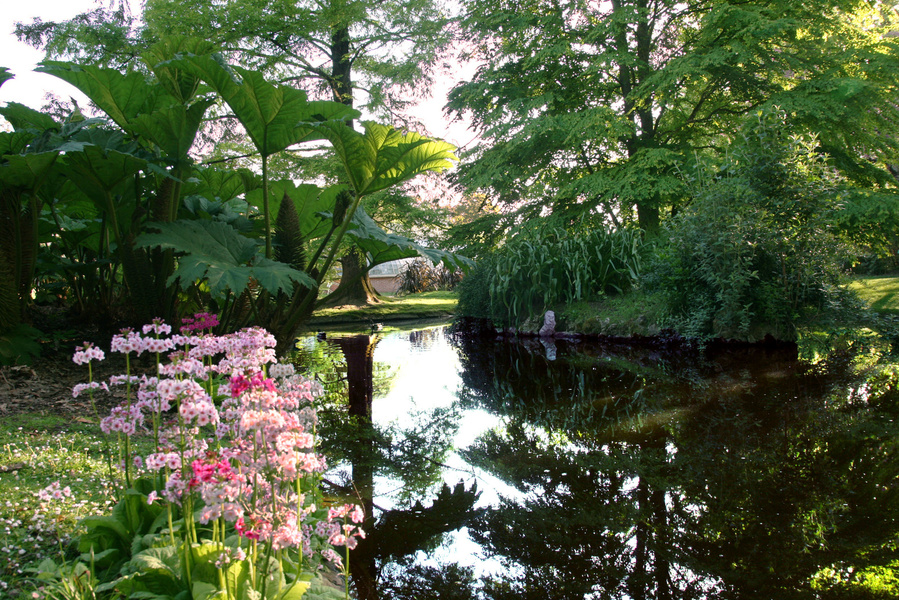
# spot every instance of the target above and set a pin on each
(648, 474)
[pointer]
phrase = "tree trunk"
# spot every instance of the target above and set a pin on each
(648, 219)
(359, 353)
(355, 287)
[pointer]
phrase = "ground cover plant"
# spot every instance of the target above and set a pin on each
(213, 474)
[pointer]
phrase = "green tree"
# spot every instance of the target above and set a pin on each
(603, 105)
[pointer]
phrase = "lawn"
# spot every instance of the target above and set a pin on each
(52, 473)
(428, 305)
(881, 293)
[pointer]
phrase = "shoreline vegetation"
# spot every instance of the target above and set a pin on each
(634, 315)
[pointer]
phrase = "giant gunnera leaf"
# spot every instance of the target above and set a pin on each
(216, 252)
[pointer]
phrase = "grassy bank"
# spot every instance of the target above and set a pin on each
(635, 313)
(880, 293)
(428, 305)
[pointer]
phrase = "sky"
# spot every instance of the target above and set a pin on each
(29, 88)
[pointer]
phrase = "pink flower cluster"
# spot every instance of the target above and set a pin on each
(158, 326)
(342, 526)
(93, 385)
(87, 353)
(54, 491)
(199, 322)
(240, 448)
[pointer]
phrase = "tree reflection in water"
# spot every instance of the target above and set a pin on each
(640, 474)
(410, 455)
(647, 475)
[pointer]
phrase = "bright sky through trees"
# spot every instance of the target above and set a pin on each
(29, 88)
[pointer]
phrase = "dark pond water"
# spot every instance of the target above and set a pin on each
(507, 470)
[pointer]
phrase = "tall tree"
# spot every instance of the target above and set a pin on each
(602, 106)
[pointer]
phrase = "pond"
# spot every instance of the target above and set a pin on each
(505, 469)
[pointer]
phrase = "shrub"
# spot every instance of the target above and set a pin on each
(756, 252)
(421, 275)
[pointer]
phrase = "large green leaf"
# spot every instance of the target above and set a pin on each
(5, 75)
(100, 170)
(177, 82)
(24, 117)
(26, 171)
(122, 96)
(216, 252)
(310, 201)
(274, 116)
(14, 142)
(213, 183)
(384, 156)
(139, 106)
(384, 247)
(172, 128)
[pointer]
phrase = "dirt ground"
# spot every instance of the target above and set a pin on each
(45, 387)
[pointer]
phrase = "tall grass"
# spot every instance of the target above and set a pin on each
(549, 266)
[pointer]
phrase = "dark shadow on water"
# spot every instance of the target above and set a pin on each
(639, 474)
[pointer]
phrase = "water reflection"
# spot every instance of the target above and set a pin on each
(621, 473)
(393, 468)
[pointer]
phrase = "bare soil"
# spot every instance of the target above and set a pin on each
(45, 386)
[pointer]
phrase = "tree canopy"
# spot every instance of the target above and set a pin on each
(587, 105)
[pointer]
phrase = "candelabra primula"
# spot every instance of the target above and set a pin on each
(234, 470)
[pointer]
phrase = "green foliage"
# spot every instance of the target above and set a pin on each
(215, 252)
(382, 247)
(288, 235)
(756, 252)
(383, 156)
(121, 214)
(869, 218)
(421, 276)
(474, 289)
(548, 266)
(5, 75)
(637, 312)
(19, 344)
(588, 106)
(65, 581)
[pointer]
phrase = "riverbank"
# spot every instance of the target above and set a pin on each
(424, 306)
(636, 316)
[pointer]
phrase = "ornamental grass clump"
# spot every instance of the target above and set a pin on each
(228, 504)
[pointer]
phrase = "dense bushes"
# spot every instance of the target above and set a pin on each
(755, 252)
(541, 268)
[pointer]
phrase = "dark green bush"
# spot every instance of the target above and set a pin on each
(756, 252)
